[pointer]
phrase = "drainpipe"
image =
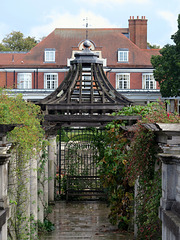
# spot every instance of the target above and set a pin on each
(108, 72)
(34, 79)
(14, 80)
(37, 79)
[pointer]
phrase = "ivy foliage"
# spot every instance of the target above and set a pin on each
(131, 155)
(112, 173)
(26, 139)
(27, 118)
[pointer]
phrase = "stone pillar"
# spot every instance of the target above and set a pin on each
(33, 195)
(171, 106)
(12, 192)
(46, 180)
(170, 202)
(23, 201)
(4, 207)
(51, 168)
(40, 192)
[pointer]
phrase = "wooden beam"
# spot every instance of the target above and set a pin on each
(95, 106)
(87, 118)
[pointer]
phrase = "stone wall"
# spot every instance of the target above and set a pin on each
(35, 203)
(169, 212)
(4, 205)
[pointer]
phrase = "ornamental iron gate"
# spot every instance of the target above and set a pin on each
(80, 150)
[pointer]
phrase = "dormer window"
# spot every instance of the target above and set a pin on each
(49, 55)
(123, 55)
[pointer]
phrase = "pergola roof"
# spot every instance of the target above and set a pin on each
(85, 91)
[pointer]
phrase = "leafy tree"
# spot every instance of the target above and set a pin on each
(3, 48)
(15, 41)
(167, 67)
(154, 46)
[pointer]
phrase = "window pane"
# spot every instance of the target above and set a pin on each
(120, 85)
(123, 56)
(123, 81)
(125, 84)
(151, 85)
(51, 80)
(149, 81)
(24, 80)
(49, 56)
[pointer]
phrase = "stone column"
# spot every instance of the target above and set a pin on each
(23, 201)
(34, 194)
(4, 207)
(170, 201)
(40, 192)
(46, 180)
(51, 168)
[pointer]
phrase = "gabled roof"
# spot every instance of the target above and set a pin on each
(64, 39)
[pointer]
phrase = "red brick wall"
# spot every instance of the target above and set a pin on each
(40, 80)
(10, 79)
(157, 85)
(136, 81)
(138, 31)
(61, 77)
(112, 78)
(2, 79)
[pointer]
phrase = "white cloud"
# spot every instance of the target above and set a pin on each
(115, 1)
(67, 20)
(4, 30)
(171, 19)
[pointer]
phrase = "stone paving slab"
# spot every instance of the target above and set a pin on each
(83, 220)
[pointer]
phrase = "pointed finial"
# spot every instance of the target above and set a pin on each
(87, 43)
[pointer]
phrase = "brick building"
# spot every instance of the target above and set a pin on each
(124, 52)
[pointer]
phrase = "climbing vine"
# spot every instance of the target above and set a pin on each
(26, 139)
(130, 158)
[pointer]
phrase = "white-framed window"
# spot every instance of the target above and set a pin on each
(148, 81)
(24, 80)
(50, 80)
(49, 55)
(122, 80)
(86, 80)
(123, 55)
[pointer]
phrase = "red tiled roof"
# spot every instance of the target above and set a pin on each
(63, 39)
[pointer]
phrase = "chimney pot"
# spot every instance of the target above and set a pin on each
(137, 17)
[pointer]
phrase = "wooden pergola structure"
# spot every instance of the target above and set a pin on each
(83, 100)
(85, 97)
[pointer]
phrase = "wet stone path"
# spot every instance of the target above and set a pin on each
(83, 220)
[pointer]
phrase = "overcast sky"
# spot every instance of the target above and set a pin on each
(38, 18)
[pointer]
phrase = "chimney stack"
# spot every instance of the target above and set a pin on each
(138, 31)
